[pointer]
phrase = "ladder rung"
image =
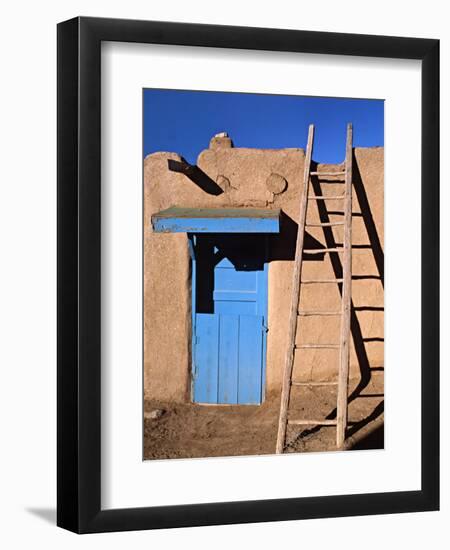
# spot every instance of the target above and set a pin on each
(326, 197)
(309, 281)
(313, 422)
(316, 384)
(324, 224)
(317, 346)
(309, 313)
(321, 250)
(327, 174)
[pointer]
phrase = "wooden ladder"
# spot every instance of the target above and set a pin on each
(343, 346)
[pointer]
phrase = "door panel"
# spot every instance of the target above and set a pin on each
(227, 307)
(206, 358)
(250, 365)
(228, 358)
(227, 278)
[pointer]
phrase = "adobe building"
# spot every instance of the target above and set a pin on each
(219, 247)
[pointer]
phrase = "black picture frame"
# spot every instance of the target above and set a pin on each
(79, 280)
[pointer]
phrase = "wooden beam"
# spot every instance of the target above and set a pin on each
(324, 224)
(313, 422)
(319, 313)
(327, 174)
(321, 281)
(342, 397)
(325, 197)
(317, 346)
(290, 350)
(313, 384)
(322, 250)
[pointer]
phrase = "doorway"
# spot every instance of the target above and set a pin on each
(229, 318)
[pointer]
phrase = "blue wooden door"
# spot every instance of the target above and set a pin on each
(229, 319)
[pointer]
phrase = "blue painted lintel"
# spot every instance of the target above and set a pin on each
(219, 220)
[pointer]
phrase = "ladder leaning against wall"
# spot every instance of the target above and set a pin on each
(342, 347)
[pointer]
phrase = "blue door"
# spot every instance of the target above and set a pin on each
(229, 318)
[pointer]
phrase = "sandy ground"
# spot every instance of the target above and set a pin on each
(190, 430)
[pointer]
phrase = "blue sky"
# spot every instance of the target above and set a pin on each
(184, 121)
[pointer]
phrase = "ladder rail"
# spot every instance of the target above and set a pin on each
(342, 397)
(293, 318)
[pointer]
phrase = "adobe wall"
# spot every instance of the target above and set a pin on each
(251, 177)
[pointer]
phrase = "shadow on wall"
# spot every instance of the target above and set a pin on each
(375, 246)
(196, 175)
(356, 331)
(250, 255)
(282, 245)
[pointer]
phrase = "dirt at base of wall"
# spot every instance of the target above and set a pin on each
(192, 431)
